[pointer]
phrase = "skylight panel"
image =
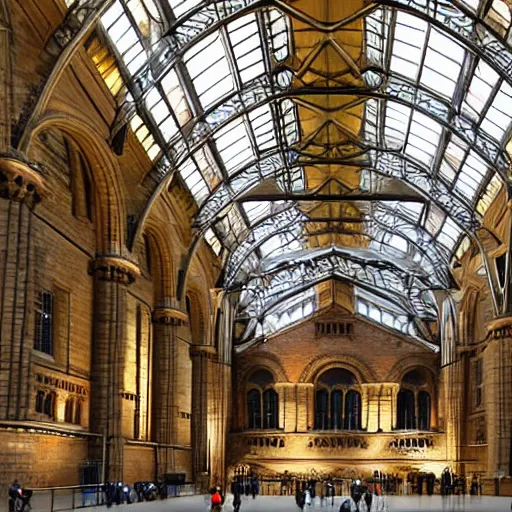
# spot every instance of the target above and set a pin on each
(279, 34)
(194, 181)
(399, 243)
(453, 156)
(158, 108)
(376, 35)
(435, 219)
(140, 15)
(397, 121)
(263, 127)
(480, 88)
(213, 241)
(112, 14)
(256, 209)
(499, 16)
(449, 234)
(289, 117)
(209, 69)
(491, 191)
(443, 62)
(497, 119)
(471, 176)
(175, 96)
(208, 166)
(408, 45)
(141, 131)
(423, 139)
(246, 43)
(234, 145)
(180, 7)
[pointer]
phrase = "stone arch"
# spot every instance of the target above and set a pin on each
(408, 363)
(323, 363)
(267, 362)
(161, 254)
(197, 317)
(110, 202)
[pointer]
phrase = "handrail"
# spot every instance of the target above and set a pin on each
(63, 487)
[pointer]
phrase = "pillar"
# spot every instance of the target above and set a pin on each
(387, 405)
(287, 405)
(165, 409)
(5, 78)
(202, 369)
(20, 189)
(112, 276)
(498, 396)
(305, 406)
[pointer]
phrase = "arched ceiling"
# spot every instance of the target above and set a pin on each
(324, 140)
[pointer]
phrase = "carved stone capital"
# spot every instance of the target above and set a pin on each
(203, 351)
(20, 182)
(114, 269)
(169, 316)
(500, 328)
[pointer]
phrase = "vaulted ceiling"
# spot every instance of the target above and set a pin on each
(324, 140)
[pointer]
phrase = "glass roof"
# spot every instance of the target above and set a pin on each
(323, 140)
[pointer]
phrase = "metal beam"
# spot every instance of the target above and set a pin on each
(78, 22)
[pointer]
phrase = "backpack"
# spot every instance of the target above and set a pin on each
(216, 498)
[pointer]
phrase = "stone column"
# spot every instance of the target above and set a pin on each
(20, 189)
(305, 406)
(202, 357)
(372, 393)
(165, 409)
(112, 275)
(287, 405)
(387, 405)
(498, 396)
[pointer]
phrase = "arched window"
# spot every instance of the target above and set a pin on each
(337, 401)
(262, 401)
(68, 414)
(406, 413)
(353, 410)
(49, 405)
(78, 413)
(270, 400)
(424, 410)
(448, 332)
(414, 402)
(40, 401)
(321, 410)
(337, 409)
(254, 408)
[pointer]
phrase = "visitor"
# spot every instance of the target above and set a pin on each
(217, 499)
(237, 502)
(307, 497)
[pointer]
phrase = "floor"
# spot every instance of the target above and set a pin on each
(287, 504)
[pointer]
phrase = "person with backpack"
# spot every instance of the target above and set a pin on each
(216, 500)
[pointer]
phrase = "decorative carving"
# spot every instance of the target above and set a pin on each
(20, 182)
(207, 351)
(115, 269)
(58, 383)
(169, 316)
(266, 441)
(338, 442)
(406, 445)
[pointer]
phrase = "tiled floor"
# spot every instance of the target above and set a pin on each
(287, 504)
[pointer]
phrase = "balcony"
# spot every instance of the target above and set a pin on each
(356, 446)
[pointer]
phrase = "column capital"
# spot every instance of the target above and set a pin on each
(208, 351)
(115, 269)
(169, 316)
(20, 182)
(500, 328)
